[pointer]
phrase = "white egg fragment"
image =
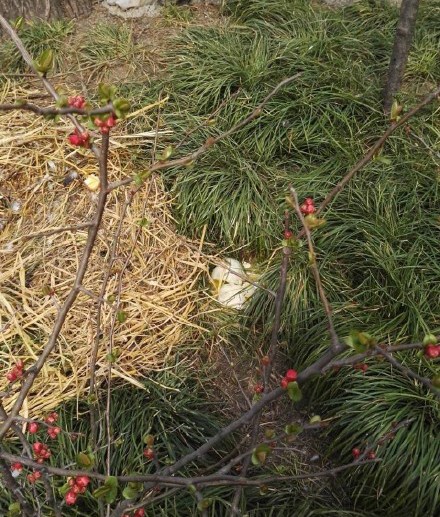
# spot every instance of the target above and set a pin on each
(231, 295)
(221, 274)
(230, 289)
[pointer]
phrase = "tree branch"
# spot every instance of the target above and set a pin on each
(374, 149)
(191, 157)
(314, 266)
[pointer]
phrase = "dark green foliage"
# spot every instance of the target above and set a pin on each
(308, 135)
(378, 253)
(366, 409)
(172, 408)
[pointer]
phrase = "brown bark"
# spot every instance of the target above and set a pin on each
(399, 57)
(44, 9)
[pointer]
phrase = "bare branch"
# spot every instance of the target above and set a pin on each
(354, 359)
(314, 266)
(25, 106)
(407, 371)
(191, 157)
(375, 148)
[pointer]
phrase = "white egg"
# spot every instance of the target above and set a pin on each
(231, 295)
(221, 274)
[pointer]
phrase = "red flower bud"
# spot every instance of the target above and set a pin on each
(51, 418)
(11, 376)
(17, 466)
(70, 497)
(149, 453)
(304, 209)
(82, 481)
(356, 453)
(74, 139)
(111, 121)
(284, 383)
(265, 360)
(432, 351)
(291, 375)
(38, 447)
(258, 388)
(53, 432)
(32, 427)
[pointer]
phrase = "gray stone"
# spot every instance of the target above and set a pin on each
(133, 8)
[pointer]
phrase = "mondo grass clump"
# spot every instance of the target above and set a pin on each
(171, 406)
(308, 134)
(37, 36)
(378, 253)
(366, 409)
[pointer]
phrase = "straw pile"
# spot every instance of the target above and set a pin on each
(159, 292)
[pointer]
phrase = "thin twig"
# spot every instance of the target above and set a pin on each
(191, 157)
(52, 231)
(315, 270)
(68, 110)
(354, 359)
(375, 148)
(407, 371)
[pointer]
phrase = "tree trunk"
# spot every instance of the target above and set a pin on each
(44, 9)
(399, 57)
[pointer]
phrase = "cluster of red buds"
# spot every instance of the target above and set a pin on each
(79, 139)
(291, 376)
(78, 485)
(77, 101)
(16, 372)
(53, 432)
(356, 452)
(41, 451)
(308, 207)
(51, 418)
(105, 125)
(34, 476)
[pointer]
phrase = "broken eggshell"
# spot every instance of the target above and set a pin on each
(220, 274)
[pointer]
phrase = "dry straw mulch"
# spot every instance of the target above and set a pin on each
(159, 287)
